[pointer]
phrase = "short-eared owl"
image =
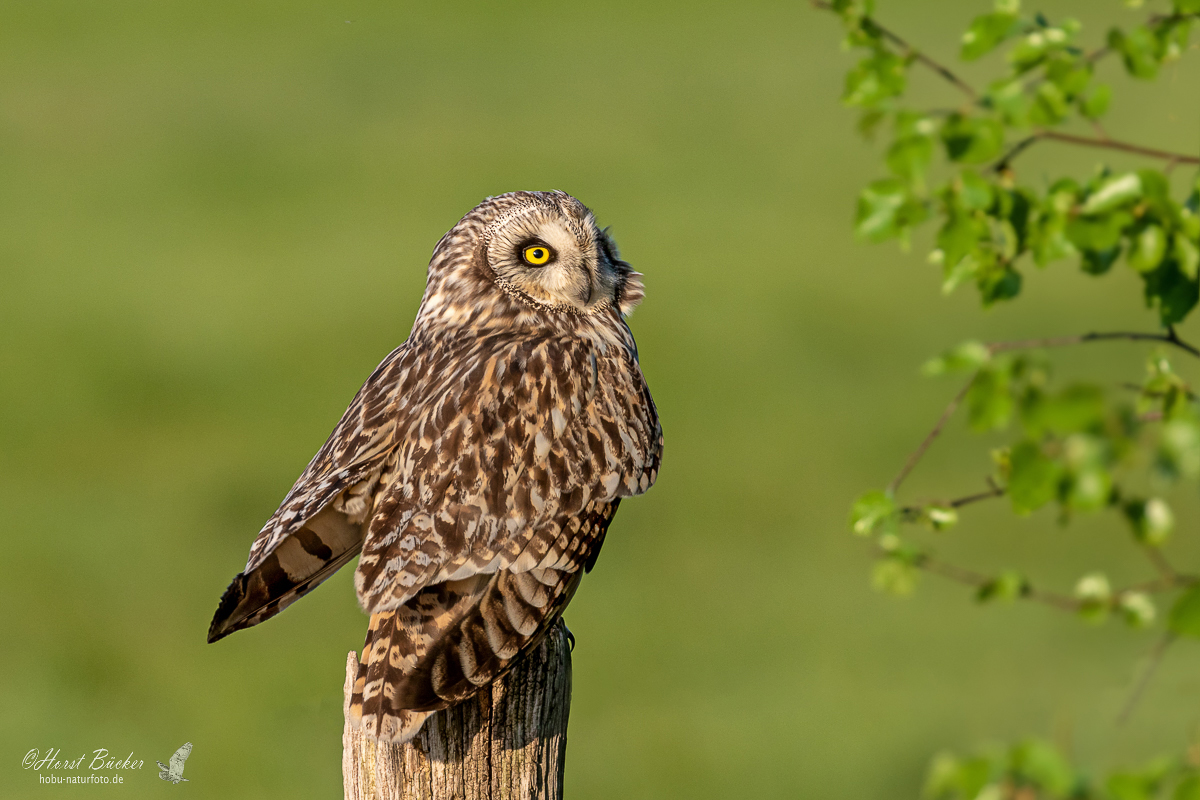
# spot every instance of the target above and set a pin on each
(478, 468)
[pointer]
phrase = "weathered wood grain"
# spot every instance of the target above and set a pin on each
(508, 742)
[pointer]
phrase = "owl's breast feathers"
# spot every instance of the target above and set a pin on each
(461, 456)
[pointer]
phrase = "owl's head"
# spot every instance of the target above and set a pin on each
(542, 250)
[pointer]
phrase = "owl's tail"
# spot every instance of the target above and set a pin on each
(375, 709)
(448, 642)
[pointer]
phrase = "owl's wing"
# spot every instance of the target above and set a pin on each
(320, 524)
(493, 468)
(509, 483)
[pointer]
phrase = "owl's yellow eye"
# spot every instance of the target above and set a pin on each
(537, 255)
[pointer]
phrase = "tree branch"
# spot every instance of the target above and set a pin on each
(1171, 337)
(910, 51)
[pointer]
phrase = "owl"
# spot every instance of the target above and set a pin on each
(478, 468)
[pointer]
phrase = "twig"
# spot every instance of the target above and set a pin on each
(1057, 600)
(995, 491)
(1143, 680)
(1171, 337)
(1013, 152)
(1160, 585)
(979, 580)
(1097, 54)
(933, 434)
(1137, 387)
(909, 50)
(1160, 563)
(1113, 144)
(1172, 159)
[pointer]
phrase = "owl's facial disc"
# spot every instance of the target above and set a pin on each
(551, 257)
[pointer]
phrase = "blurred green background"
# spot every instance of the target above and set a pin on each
(214, 222)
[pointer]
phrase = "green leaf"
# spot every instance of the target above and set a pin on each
(939, 518)
(1138, 49)
(1141, 784)
(965, 269)
(894, 576)
(1147, 248)
(1094, 593)
(1137, 609)
(1005, 587)
(869, 511)
(1095, 104)
(909, 157)
(1033, 477)
(1088, 489)
(1009, 99)
(1050, 105)
(875, 79)
(1001, 282)
(1151, 520)
(972, 140)
(972, 192)
(1171, 290)
(1038, 762)
(953, 778)
(986, 32)
(1068, 76)
(1179, 449)
(1048, 239)
(886, 208)
(989, 400)
(1102, 232)
(1017, 207)
(1078, 407)
(959, 236)
(970, 355)
(1187, 6)
(1173, 38)
(1187, 253)
(1189, 787)
(1098, 262)
(1115, 192)
(1156, 192)
(1184, 618)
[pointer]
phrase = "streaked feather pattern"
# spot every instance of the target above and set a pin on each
(478, 468)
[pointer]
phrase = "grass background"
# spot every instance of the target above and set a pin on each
(214, 221)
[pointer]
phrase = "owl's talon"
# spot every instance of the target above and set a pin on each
(570, 636)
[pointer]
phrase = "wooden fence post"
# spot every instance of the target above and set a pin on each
(508, 742)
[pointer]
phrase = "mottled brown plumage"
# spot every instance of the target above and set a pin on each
(478, 468)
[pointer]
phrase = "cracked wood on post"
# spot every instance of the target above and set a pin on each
(509, 741)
